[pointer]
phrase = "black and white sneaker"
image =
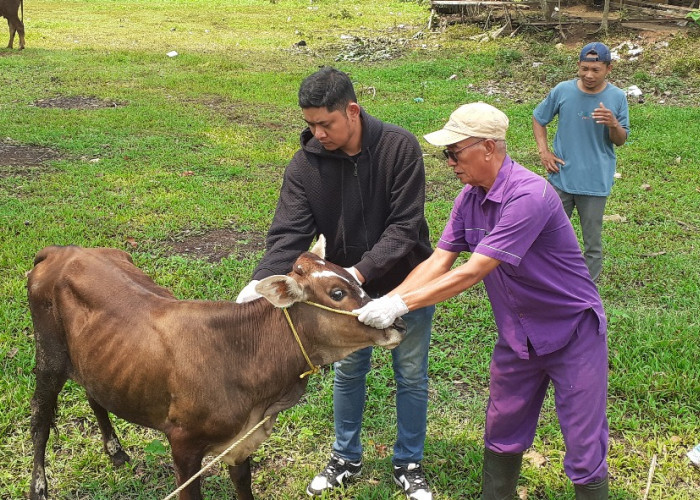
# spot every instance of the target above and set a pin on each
(412, 480)
(337, 471)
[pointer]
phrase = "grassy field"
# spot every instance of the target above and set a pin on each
(154, 154)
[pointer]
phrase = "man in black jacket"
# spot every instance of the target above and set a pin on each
(361, 183)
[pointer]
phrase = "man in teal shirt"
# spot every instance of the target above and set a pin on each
(593, 119)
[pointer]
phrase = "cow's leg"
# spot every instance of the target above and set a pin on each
(20, 31)
(12, 33)
(111, 443)
(51, 372)
(240, 475)
(187, 458)
(43, 405)
(16, 26)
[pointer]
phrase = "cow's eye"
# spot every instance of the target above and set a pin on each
(337, 295)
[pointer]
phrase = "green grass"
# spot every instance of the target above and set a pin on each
(225, 110)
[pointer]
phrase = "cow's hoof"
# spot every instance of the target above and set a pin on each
(37, 495)
(119, 458)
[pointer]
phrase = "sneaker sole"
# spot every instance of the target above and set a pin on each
(400, 485)
(347, 479)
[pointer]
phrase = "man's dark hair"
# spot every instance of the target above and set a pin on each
(329, 88)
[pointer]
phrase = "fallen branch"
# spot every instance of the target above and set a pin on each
(651, 475)
(658, 6)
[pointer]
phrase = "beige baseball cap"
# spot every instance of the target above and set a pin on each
(476, 119)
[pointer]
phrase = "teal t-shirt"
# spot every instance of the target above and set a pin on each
(582, 143)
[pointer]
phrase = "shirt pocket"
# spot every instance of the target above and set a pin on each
(473, 237)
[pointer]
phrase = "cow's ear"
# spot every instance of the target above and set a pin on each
(320, 247)
(280, 290)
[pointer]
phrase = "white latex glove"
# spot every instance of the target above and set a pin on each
(248, 293)
(382, 312)
(353, 272)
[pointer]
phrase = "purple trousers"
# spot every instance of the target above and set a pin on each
(579, 374)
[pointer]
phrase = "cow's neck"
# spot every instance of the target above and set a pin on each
(275, 356)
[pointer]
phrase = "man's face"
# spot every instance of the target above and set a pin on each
(333, 129)
(592, 75)
(468, 165)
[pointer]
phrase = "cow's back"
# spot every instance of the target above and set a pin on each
(88, 272)
(91, 277)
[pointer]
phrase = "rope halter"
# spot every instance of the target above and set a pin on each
(314, 368)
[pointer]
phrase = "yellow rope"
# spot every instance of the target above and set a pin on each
(216, 459)
(314, 368)
(339, 311)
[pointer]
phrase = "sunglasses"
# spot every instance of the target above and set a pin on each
(452, 155)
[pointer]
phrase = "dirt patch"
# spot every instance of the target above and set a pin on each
(265, 116)
(76, 102)
(217, 244)
(232, 111)
(471, 388)
(20, 159)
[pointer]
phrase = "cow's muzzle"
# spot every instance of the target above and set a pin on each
(395, 333)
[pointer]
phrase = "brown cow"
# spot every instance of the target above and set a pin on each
(202, 372)
(8, 9)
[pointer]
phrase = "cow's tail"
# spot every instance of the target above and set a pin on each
(21, 9)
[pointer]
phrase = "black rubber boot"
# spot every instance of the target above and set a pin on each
(592, 491)
(501, 473)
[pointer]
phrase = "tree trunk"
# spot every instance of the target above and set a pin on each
(604, 22)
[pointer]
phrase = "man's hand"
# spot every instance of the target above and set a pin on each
(604, 116)
(382, 312)
(550, 161)
(248, 293)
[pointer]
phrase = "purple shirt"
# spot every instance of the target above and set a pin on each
(542, 287)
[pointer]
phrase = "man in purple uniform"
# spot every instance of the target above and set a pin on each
(551, 323)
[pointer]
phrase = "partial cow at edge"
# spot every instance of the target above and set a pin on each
(9, 9)
(202, 372)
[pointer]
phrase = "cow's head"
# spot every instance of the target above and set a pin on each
(316, 280)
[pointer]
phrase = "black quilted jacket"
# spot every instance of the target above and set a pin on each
(369, 207)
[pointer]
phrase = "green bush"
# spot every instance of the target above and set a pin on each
(686, 66)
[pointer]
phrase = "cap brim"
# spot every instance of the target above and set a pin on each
(444, 137)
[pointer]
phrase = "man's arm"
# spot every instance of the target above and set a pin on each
(439, 262)
(548, 159)
(444, 285)
(292, 230)
(430, 282)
